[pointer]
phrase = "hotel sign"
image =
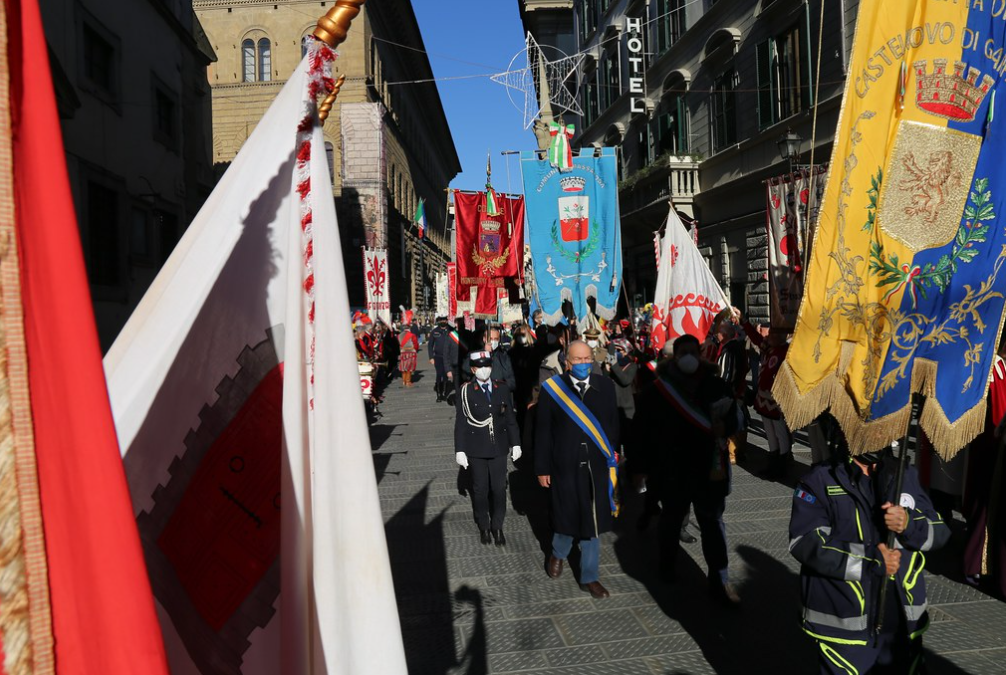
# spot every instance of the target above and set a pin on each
(634, 43)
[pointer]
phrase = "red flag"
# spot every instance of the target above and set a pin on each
(96, 613)
(452, 290)
(490, 247)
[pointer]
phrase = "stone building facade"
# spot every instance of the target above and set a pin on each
(388, 144)
(134, 106)
(697, 95)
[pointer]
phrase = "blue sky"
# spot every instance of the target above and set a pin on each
(486, 34)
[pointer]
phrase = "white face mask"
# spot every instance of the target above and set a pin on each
(688, 364)
(493, 344)
(592, 344)
(482, 374)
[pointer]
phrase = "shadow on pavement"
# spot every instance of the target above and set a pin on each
(528, 499)
(380, 433)
(762, 636)
(426, 606)
(474, 661)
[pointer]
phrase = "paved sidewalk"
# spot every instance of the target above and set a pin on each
(471, 609)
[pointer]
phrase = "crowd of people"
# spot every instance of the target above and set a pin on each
(597, 411)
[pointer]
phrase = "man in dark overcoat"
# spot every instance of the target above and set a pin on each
(485, 432)
(569, 462)
(682, 421)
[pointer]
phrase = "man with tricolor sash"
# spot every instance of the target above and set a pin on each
(576, 437)
(683, 421)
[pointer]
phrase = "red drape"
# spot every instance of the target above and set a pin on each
(103, 615)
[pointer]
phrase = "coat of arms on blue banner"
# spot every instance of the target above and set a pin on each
(574, 232)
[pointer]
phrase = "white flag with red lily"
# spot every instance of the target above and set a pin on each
(687, 297)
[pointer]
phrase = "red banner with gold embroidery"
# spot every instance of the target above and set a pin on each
(490, 253)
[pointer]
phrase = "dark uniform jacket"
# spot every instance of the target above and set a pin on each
(435, 343)
(455, 351)
(834, 530)
(476, 441)
(579, 470)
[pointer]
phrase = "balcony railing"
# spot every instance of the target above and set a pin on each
(668, 178)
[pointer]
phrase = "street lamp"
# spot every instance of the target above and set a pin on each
(789, 147)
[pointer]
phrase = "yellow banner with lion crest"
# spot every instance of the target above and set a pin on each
(905, 292)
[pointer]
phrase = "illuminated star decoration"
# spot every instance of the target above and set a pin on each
(556, 73)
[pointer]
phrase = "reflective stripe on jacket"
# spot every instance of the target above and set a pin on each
(834, 534)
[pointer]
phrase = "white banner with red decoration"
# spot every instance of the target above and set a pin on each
(791, 214)
(687, 298)
(375, 279)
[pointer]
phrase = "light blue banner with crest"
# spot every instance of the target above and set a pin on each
(574, 231)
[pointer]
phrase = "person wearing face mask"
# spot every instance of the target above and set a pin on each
(682, 420)
(576, 438)
(485, 432)
(842, 514)
(501, 365)
(592, 337)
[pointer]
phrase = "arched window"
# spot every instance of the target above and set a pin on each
(248, 61)
(264, 60)
(672, 121)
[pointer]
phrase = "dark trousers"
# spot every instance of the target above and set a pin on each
(488, 476)
(709, 500)
(441, 371)
(891, 653)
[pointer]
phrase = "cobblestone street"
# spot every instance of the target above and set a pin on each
(469, 609)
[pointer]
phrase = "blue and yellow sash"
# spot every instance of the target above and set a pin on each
(571, 404)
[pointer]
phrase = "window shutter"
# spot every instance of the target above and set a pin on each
(766, 97)
(682, 116)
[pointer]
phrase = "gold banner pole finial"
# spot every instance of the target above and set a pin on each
(334, 26)
(326, 105)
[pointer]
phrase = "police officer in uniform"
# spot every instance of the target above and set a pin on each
(485, 432)
(841, 516)
(436, 353)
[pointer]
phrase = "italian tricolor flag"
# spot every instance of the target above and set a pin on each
(420, 218)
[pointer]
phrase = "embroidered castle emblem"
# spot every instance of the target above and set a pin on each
(572, 184)
(953, 96)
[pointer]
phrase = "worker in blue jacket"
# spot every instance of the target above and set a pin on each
(842, 513)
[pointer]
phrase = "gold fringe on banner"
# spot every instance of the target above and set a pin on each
(948, 438)
(25, 614)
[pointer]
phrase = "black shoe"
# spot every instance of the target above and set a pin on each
(686, 537)
(724, 594)
(498, 536)
(667, 574)
(485, 537)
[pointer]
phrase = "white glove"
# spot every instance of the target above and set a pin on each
(516, 452)
(462, 459)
